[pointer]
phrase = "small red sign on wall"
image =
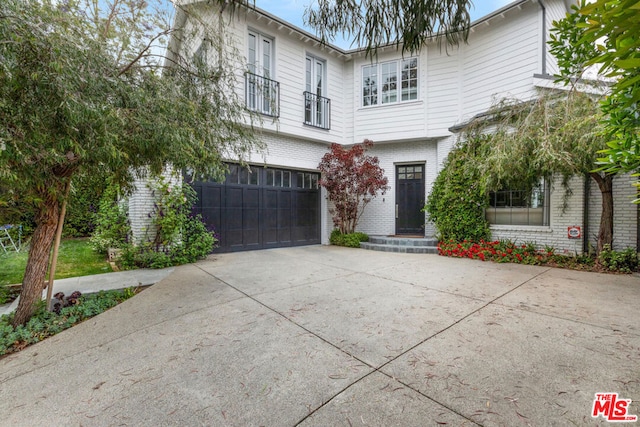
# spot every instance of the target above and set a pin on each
(573, 232)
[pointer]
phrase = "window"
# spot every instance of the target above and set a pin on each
(409, 81)
(387, 83)
(316, 106)
(519, 207)
(369, 85)
(409, 172)
(244, 175)
(278, 178)
(307, 180)
(262, 92)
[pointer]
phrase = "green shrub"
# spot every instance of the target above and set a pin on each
(112, 223)
(624, 261)
(46, 323)
(82, 208)
(457, 201)
(351, 240)
(176, 236)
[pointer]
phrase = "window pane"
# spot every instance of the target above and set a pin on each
(253, 176)
(369, 85)
(389, 82)
(286, 179)
(409, 79)
(270, 175)
(300, 180)
(244, 176)
(234, 174)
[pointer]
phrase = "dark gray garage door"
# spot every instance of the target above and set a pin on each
(259, 208)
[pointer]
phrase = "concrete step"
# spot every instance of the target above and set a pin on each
(399, 248)
(403, 241)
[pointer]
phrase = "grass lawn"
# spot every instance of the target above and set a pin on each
(76, 258)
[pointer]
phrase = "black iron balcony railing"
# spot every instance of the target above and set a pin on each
(317, 110)
(262, 94)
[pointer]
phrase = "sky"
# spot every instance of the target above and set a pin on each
(293, 10)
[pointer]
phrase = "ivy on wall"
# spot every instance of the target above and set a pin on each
(458, 199)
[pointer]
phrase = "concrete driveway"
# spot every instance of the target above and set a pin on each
(323, 336)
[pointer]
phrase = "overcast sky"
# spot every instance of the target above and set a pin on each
(292, 11)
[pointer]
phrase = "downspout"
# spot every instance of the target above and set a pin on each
(585, 215)
(544, 37)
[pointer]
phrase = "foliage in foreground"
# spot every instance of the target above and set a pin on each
(350, 240)
(44, 323)
(609, 35)
(83, 92)
(175, 236)
(504, 251)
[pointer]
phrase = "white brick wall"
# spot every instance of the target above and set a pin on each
(379, 216)
(141, 206)
(556, 233)
(625, 213)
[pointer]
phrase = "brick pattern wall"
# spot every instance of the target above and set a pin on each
(625, 213)
(141, 205)
(379, 216)
(555, 234)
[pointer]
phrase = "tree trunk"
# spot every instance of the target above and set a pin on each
(605, 233)
(38, 260)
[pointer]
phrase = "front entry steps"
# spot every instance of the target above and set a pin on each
(402, 244)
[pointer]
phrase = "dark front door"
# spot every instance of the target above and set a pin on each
(409, 199)
(259, 208)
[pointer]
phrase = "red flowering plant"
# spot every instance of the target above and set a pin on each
(497, 250)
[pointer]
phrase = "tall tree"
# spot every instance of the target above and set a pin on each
(83, 92)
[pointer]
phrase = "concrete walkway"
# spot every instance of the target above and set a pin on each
(100, 282)
(324, 336)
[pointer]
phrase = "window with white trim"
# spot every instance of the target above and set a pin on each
(382, 79)
(317, 107)
(262, 92)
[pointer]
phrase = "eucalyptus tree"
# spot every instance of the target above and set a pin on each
(407, 24)
(86, 89)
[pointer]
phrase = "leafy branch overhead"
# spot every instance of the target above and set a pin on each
(375, 23)
(86, 88)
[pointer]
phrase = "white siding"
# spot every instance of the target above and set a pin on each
(500, 60)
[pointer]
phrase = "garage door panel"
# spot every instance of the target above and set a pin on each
(247, 216)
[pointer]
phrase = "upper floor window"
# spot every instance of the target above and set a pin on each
(316, 105)
(262, 92)
(380, 82)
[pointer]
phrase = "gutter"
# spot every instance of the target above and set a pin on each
(544, 37)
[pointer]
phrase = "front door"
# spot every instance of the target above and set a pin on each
(409, 199)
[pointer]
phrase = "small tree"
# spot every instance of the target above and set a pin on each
(352, 180)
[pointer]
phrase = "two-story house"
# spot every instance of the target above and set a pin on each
(411, 106)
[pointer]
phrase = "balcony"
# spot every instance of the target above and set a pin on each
(317, 111)
(262, 94)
